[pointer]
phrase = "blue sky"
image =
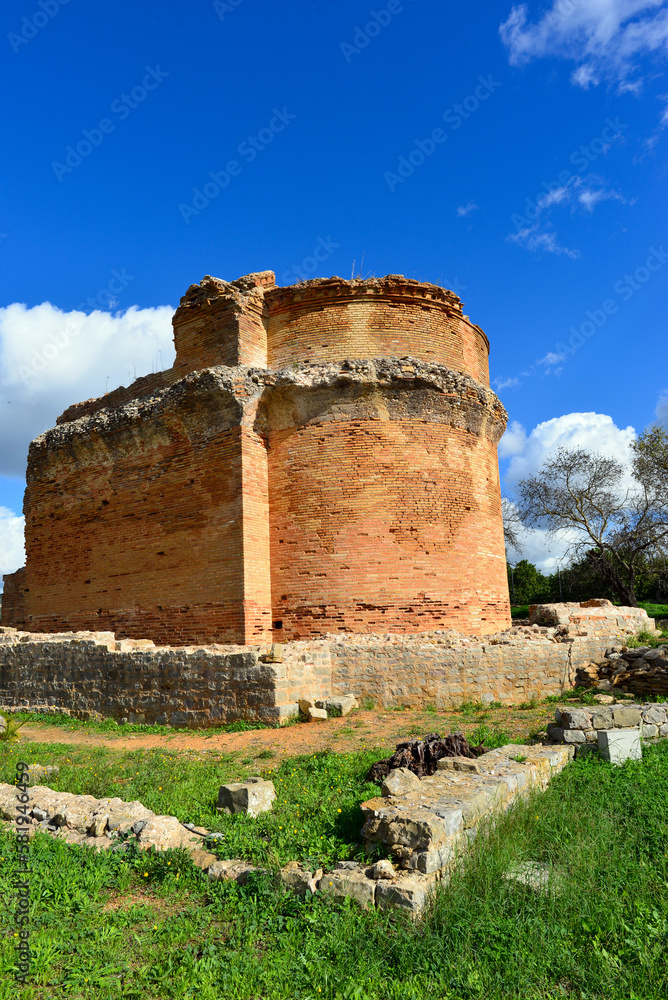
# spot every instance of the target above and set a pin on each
(532, 141)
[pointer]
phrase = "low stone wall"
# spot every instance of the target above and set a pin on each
(425, 822)
(92, 673)
(580, 725)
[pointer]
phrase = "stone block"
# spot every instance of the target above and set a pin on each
(604, 699)
(382, 870)
(428, 862)
(663, 731)
(656, 714)
(298, 879)
(574, 718)
(459, 764)
(232, 870)
(590, 735)
(3, 724)
(602, 719)
(532, 874)
(202, 859)
(408, 894)
(341, 704)
(305, 704)
(252, 797)
(121, 816)
(626, 716)
(78, 814)
(649, 731)
(164, 833)
(400, 781)
(562, 735)
(619, 745)
(354, 884)
(39, 774)
(317, 715)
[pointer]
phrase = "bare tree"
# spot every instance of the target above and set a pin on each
(589, 498)
(512, 525)
(650, 463)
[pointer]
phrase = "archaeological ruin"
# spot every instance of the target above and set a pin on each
(321, 458)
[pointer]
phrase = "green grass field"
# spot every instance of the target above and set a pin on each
(151, 926)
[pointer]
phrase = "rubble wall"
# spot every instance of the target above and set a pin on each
(87, 674)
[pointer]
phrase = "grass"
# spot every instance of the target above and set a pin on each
(316, 816)
(151, 926)
(110, 727)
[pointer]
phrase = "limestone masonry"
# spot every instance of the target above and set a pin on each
(320, 458)
(88, 674)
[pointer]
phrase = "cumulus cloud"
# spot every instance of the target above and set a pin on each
(527, 452)
(50, 359)
(604, 39)
(12, 553)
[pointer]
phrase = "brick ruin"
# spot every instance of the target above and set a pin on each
(320, 458)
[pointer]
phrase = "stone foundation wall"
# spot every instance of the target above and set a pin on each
(94, 673)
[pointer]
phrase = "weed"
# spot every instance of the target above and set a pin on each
(525, 706)
(10, 734)
(368, 704)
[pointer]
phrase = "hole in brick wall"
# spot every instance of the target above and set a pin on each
(277, 625)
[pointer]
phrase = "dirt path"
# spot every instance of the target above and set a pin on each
(354, 732)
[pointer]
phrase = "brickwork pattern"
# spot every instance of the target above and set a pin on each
(282, 479)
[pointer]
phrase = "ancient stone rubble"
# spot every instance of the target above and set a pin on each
(426, 824)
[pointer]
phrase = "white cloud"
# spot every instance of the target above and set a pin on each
(605, 39)
(551, 358)
(532, 238)
(465, 210)
(50, 359)
(594, 431)
(662, 409)
(12, 553)
(586, 192)
(513, 441)
(527, 452)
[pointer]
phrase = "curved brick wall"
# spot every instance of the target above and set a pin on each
(329, 320)
(385, 511)
(320, 458)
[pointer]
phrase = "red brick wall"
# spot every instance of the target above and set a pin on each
(376, 506)
(380, 525)
(331, 321)
(13, 604)
(140, 534)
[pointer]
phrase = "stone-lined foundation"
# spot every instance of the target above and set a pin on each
(88, 674)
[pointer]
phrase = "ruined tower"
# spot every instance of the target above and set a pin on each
(320, 458)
